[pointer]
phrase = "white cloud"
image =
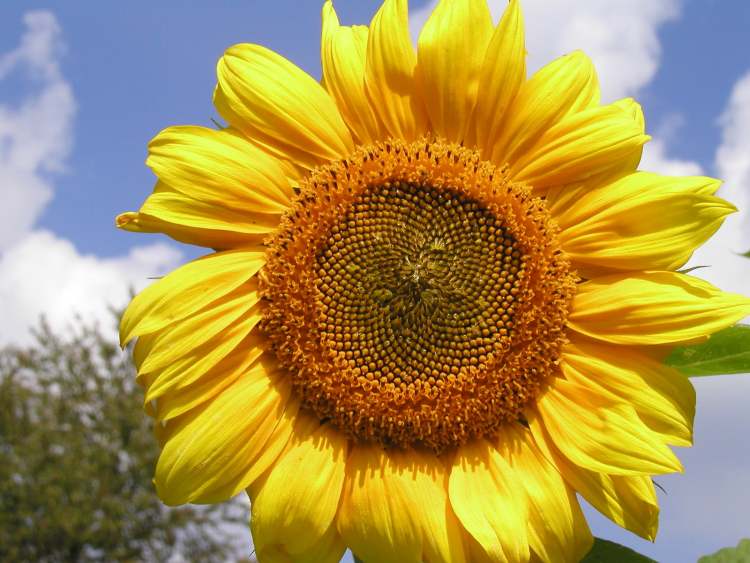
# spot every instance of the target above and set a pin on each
(656, 159)
(619, 35)
(45, 275)
(39, 272)
(655, 153)
(36, 137)
(39, 49)
(733, 159)
(728, 270)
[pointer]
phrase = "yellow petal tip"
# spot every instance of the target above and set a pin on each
(127, 221)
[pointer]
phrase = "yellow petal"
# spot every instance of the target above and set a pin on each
(179, 339)
(395, 507)
(343, 54)
(193, 363)
(641, 222)
(663, 398)
(136, 222)
(502, 74)
(654, 308)
(269, 99)
(581, 145)
(557, 527)
(219, 167)
(171, 206)
(389, 73)
(293, 170)
(188, 365)
(213, 359)
(565, 86)
(634, 109)
(179, 394)
(637, 507)
(214, 452)
(485, 495)
(292, 510)
(629, 501)
(329, 549)
(187, 290)
(450, 54)
(599, 434)
(576, 204)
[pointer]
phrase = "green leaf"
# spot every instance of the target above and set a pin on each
(739, 554)
(726, 352)
(746, 254)
(605, 551)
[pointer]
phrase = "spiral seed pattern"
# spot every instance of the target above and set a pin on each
(415, 296)
(417, 284)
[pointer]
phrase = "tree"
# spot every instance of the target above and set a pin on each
(77, 457)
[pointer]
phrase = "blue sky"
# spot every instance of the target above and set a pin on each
(96, 81)
(139, 66)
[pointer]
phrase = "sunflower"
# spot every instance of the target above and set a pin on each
(436, 301)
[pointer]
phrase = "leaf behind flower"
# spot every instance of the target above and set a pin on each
(605, 551)
(726, 352)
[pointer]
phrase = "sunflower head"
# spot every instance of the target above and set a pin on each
(434, 303)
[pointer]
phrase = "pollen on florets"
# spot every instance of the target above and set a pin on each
(415, 295)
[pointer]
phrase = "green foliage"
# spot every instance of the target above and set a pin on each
(726, 352)
(78, 457)
(605, 551)
(747, 254)
(739, 554)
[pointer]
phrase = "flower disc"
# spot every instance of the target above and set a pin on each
(416, 295)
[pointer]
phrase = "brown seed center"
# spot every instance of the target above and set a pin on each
(417, 283)
(416, 296)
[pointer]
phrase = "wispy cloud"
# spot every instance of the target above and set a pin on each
(37, 136)
(727, 269)
(41, 273)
